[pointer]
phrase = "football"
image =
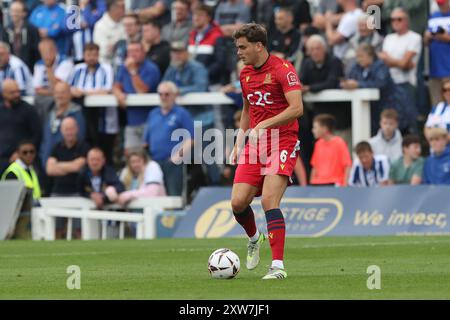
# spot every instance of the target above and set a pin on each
(223, 264)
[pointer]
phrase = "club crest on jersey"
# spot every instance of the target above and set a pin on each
(268, 79)
(247, 78)
(292, 79)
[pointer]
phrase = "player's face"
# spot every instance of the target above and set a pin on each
(366, 159)
(248, 51)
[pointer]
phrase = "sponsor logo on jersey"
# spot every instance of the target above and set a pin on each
(286, 65)
(292, 79)
(270, 235)
(282, 166)
(268, 79)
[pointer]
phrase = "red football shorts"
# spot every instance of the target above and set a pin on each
(255, 162)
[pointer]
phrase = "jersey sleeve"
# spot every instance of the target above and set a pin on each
(288, 78)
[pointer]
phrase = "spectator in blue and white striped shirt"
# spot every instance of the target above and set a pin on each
(12, 67)
(369, 169)
(93, 78)
(53, 67)
(440, 114)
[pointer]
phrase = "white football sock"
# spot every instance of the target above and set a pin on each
(278, 264)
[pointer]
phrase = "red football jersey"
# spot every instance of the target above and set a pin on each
(264, 89)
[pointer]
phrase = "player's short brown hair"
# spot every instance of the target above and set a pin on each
(326, 120)
(409, 140)
(91, 47)
(253, 32)
(362, 147)
(389, 114)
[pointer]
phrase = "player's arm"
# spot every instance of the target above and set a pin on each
(291, 113)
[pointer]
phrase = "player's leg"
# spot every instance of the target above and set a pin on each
(273, 190)
(241, 197)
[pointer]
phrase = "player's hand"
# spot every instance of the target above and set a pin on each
(234, 156)
(255, 134)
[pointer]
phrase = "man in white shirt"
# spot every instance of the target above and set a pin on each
(109, 30)
(347, 27)
(401, 53)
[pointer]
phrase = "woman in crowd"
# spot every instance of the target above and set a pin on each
(141, 177)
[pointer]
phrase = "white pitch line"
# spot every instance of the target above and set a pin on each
(57, 254)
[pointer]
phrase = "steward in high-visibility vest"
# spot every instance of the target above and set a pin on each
(22, 169)
(30, 178)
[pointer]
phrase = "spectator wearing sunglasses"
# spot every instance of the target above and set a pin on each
(22, 169)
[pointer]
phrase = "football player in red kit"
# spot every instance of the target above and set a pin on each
(272, 103)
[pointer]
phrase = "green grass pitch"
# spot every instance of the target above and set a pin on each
(323, 268)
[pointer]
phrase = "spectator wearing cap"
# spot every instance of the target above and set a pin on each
(12, 67)
(206, 45)
(50, 19)
(188, 74)
(22, 36)
(156, 49)
(136, 75)
(181, 26)
(437, 38)
(109, 29)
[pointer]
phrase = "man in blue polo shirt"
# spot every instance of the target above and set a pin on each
(50, 20)
(136, 75)
(161, 123)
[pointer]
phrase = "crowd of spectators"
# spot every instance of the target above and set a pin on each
(59, 56)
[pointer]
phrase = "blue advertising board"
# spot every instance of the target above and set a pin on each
(329, 211)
